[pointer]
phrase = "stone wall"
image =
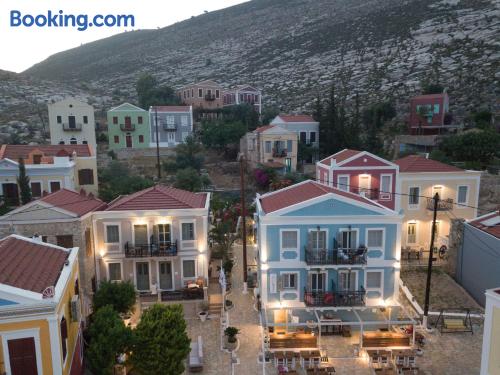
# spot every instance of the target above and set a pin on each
(454, 244)
(489, 193)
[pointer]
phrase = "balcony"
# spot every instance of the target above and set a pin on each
(443, 204)
(279, 153)
(314, 298)
(210, 97)
(168, 249)
(341, 256)
(127, 127)
(72, 127)
(169, 127)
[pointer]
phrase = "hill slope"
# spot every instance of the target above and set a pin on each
(293, 49)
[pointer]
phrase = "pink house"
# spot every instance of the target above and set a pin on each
(360, 172)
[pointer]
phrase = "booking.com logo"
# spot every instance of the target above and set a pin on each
(79, 21)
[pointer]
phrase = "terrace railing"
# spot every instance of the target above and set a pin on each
(443, 204)
(315, 298)
(166, 249)
(336, 256)
(72, 127)
(127, 127)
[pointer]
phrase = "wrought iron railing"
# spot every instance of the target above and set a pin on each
(277, 153)
(150, 250)
(72, 127)
(127, 127)
(336, 256)
(443, 204)
(315, 298)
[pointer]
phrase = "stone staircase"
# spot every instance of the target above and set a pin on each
(214, 304)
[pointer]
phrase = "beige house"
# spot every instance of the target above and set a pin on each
(72, 122)
(49, 167)
(490, 360)
(419, 180)
(271, 146)
(64, 219)
(156, 238)
(205, 94)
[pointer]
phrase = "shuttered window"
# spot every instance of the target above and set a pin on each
(289, 239)
(375, 238)
(86, 177)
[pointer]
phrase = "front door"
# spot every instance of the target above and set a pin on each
(171, 137)
(142, 275)
(165, 269)
(22, 356)
(128, 141)
(11, 194)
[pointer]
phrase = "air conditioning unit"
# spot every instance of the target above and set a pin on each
(385, 196)
(75, 308)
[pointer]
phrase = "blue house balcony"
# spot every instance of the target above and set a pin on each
(339, 256)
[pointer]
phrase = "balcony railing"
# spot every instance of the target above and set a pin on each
(72, 127)
(127, 127)
(443, 204)
(316, 298)
(336, 256)
(279, 153)
(170, 127)
(210, 97)
(150, 250)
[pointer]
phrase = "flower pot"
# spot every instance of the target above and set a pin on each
(231, 345)
(203, 315)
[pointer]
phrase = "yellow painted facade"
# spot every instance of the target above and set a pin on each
(45, 346)
(417, 222)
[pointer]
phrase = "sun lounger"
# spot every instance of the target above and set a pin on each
(196, 356)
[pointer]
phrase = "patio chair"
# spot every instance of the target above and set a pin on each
(196, 356)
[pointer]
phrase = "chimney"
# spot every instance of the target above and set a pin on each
(333, 162)
(82, 192)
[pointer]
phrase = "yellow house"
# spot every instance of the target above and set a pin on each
(490, 359)
(39, 308)
(419, 180)
(271, 146)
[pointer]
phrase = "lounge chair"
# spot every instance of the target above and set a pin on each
(196, 356)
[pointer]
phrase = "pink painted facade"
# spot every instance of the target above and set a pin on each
(428, 114)
(362, 173)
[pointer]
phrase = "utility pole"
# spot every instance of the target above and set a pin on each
(157, 145)
(243, 221)
(429, 267)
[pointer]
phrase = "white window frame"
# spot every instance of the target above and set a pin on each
(342, 187)
(410, 205)
(381, 248)
(379, 289)
(111, 224)
(170, 120)
(61, 186)
(356, 280)
(309, 279)
(133, 231)
(466, 196)
(41, 186)
(22, 334)
(416, 233)
(270, 147)
(296, 248)
(188, 242)
(195, 269)
(321, 230)
(184, 120)
(114, 261)
(288, 273)
(357, 236)
(390, 186)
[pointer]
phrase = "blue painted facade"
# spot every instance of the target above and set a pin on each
(362, 272)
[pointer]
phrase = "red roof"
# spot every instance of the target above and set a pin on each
(302, 192)
(29, 265)
(77, 203)
(417, 163)
(263, 128)
(297, 118)
(171, 108)
(16, 152)
(159, 197)
(488, 223)
(340, 156)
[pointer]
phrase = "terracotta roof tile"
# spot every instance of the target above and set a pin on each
(297, 118)
(340, 156)
(74, 202)
(302, 192)
(29, 265)
(15, 152)
(488, 223)
(263, 128)
(417, 163)
(159, 198)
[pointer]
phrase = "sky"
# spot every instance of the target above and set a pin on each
(21, 47)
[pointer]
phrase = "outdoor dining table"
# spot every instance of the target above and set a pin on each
(311, 357)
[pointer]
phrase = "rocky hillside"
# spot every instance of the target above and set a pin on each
(294, 49)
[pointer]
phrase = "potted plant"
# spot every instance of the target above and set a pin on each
(231, 333)
(204, 311)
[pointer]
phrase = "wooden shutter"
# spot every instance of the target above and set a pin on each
(280, 282)
(340, 243)
(86, 177)
(88, 243)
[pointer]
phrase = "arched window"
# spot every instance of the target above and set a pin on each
(72, 141)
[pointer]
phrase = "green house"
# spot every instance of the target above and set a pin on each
(128, 127)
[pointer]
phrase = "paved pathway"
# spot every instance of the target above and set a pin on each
(244, 317)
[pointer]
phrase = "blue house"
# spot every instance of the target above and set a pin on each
(323, 249)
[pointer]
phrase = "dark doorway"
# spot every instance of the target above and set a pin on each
(11, 194)
(22, 355)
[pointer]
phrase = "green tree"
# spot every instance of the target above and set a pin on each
(268, 114)
(116, 180)
(108, 339)
(150, 93)
(161, 341)
(477, 147)
(220, 134)
(190, 179)
(374, 119)
(223, 237)
(23, 181)
(189, 154)
(121, 296)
